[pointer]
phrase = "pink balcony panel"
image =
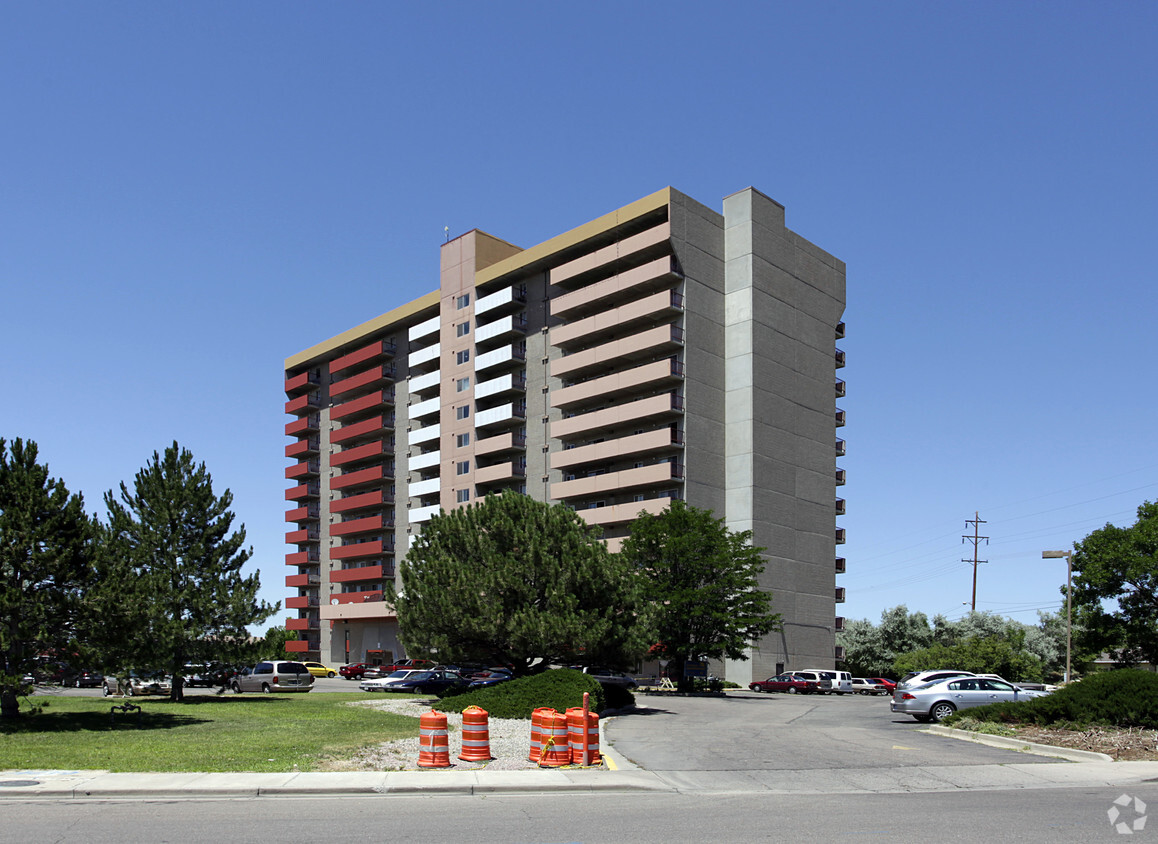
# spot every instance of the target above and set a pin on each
(660, 405)
(612, 449)
(653, 308)
(633, 282)
(612, 253)
(617, 382)
(618, 354)
(621, 513)
(609, 482)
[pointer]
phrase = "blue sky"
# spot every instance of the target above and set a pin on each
(192, 192)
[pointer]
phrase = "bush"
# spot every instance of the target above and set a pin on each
(1123, 698)
(558, 689)
(617, 697)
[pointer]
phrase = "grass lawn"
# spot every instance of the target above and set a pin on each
(204, 733)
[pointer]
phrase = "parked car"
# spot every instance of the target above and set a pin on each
(274, 676)
(139, 683)
(919, 678)
(383, 684)
(830, 680)
(429, 683)
(608, 677)
(863, 686)
(940, 699)
(489, 677)
(84, 679)
(374, 672)
(790, 683)
(319, 670)
(354, 670)
(884, 681)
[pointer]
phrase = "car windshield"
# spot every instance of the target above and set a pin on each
(420, 675)
(398, 675)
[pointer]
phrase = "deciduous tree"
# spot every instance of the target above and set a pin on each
(512, 580)
(45, 566)
(173, 586)
(701, 585)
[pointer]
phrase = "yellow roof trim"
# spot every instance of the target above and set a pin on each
(577, 235)
(430, 300)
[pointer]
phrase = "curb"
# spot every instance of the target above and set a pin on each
(1068, 753)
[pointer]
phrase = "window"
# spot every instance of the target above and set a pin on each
(462, 329)
(464, 356)
(462, 412)
(462, 496)
(462, 467)
(462, 301)
(462, 384)
(463, 440)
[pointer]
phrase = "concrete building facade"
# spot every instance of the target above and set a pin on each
(662, 351)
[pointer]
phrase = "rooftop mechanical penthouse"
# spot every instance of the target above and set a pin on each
(662, 351)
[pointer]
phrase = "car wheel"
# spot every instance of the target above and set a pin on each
(265, 688)
(791, 690)
(105, 690)
(236, 689)
(331, 674)
(942, 710)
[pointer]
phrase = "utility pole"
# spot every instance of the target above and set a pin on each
(976, 521)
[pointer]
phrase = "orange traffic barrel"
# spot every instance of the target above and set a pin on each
(537, 718)
(476, 735)
(556, 750)
(433, 747)
(583, 738)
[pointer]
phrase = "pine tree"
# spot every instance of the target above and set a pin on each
(701, 586)
(514, 581)
(45, 566)
(174, 592)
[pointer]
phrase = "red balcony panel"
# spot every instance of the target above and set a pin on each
(294, 581)
(367, 353)
(298, 449)
(302, 514)
(355, 575)
(362, 476)
(362, 403)
(359, 597)
(360, 452)
(357, 502)
(297, 646)
(359, 549)
(300, 426)
(361, 380)
(304, 491)
(300, 624)
(299, 602)
(301, 381)
(358, 429)
(306, 534)
(301, 404)
(301, 470)
(358, 526)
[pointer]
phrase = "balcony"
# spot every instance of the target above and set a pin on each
(301, 602)
(429, 486)
(839, 389)
(574, 273)
(618, 514)
(607, 483)
(375, 427)
(355, 550)
(297, 581)
(303, 448)
(356, 454)
(509, 441)
(840, 450)
(505, 415)
(423, 435)
(657, 408)
(366, 524)
(840, 507)
(303, 492)
(840, 565)
(360, 477)
(839, 418)
(420, 384)
(840, 594)
(660, 341)
(305, 469)
(302, 535)
(303, 425)
(424, 514)
(661, 307)
(512, 382)
(508, 299)
(362, 597)
(361, 381)
(365, 354)
(418, 462)
(301, 624)
(369, 403)
(619, 384)
(362, 501)
(302, 382)
(422, 409)
(303, 558)
(302, 646)
(838, 624)
(839, 359)
(631, 284)
(308, 513)
(502, 330)
(840, 331)
(500, 472)
(425, 329)
(504, 356)
(840, 477)
(617, 449)
(840, 536)
(308, 403)
(421, 359)
(361, 574)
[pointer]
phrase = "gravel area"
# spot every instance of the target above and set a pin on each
(510, 741)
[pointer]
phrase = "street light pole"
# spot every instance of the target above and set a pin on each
(1069, 558)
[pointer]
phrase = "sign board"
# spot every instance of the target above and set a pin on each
(696, 668)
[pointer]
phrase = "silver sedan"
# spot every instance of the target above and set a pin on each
(938, 700)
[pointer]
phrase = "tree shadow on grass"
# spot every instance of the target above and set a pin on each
(114, 718)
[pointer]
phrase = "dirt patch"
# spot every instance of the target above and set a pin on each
(1122, 745)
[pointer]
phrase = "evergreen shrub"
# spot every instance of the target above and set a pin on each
(1122, 698)
(560, 689)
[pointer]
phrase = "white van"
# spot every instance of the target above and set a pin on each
(839, 682)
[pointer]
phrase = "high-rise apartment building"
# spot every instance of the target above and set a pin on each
(662, 351)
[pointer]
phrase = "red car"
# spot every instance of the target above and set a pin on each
(353, 671)
(891, 685)
(789, 683)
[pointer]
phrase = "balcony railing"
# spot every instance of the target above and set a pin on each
(841, 565)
